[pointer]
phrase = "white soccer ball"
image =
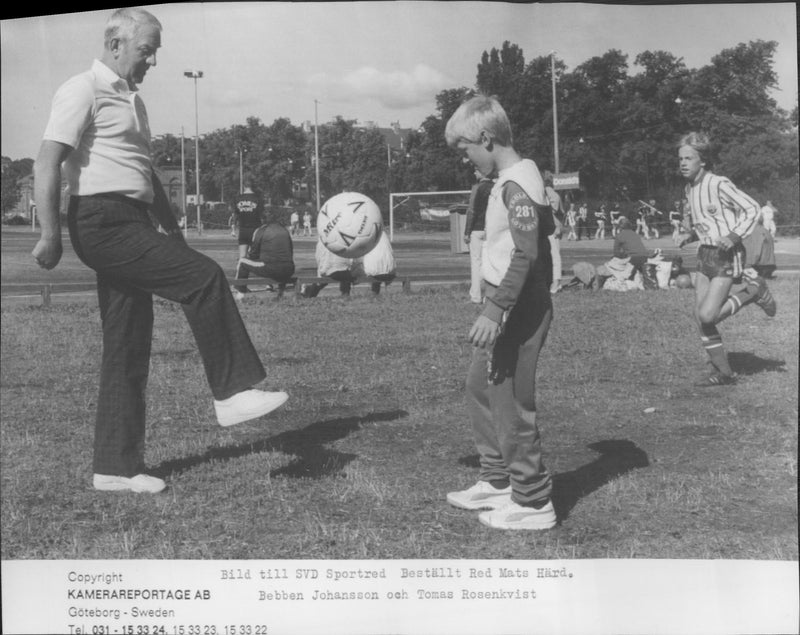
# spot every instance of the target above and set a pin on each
(350, 224)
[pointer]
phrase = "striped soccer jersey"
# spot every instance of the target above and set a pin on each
(718, 209)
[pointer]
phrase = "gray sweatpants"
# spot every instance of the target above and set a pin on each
(501, 386)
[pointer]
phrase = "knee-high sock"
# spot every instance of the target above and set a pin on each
(743, 297)
(712, 342)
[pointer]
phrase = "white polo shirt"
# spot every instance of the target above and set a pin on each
(105, 123)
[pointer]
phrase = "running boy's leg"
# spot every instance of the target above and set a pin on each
(710, 293)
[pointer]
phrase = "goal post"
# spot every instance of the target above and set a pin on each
(434, 203)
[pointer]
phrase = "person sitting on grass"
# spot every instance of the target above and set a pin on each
(628, 244)
(271, 255)
(760, 251)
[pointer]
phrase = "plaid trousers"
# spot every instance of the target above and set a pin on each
(114, 236)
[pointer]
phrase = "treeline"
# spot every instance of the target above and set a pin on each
(617, 129)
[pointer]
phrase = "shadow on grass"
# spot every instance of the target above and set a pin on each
(617, 457)
(308, 444)
(749, 364)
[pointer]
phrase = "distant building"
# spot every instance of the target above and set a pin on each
(395, 136)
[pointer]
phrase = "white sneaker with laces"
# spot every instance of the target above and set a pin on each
(246, 405)
(482, 495)
(139, 483)
(515, 516)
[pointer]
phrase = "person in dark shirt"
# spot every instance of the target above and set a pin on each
(628, 244)
(270, 255)
(248, 209)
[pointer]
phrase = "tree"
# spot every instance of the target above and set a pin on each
(12, 172)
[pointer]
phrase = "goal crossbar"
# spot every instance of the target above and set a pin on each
(392, 205)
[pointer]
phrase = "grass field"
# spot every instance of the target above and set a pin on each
(357, 464)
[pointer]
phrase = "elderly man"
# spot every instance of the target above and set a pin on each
(99, 131)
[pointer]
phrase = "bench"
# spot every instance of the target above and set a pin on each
(298, 281)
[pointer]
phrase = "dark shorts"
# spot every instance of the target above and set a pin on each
(714, 262)
(246, 235)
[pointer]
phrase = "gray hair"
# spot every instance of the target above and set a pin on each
(125, 23)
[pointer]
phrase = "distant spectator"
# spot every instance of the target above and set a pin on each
(572, 221)
(614, 215)
(557, 207)
(294, 223)
(307, 223)
(344, 270)
(379, 263)
(641, 222)
(653, 217)
(583, 221)
(247, 210)
(628, 244)
(768, 218)
(600, 221)
(759, 249)
(475, 233)
(676, 220)
(271, 255)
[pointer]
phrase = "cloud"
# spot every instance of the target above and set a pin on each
(395, 89)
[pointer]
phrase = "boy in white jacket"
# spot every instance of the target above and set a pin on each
(508, 335)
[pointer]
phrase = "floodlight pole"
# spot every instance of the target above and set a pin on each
(316, 151)
(196, 75)
(183, 189)
(555, 109)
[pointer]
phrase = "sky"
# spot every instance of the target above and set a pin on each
(382, 62)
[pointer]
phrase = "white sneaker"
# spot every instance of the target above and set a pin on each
(482, 495)
(139, 483)
(514, 516)
(246, 405)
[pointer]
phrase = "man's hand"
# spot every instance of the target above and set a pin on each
(484, 332)
(47, 252)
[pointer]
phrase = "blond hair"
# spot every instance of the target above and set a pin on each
(700, 143)
(476, 115)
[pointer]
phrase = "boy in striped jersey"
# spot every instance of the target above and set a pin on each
(721, 216)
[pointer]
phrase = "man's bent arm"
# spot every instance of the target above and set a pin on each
(161, 209)
(47, 194)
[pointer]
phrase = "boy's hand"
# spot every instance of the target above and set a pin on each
(725, 243)
(484, 332)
